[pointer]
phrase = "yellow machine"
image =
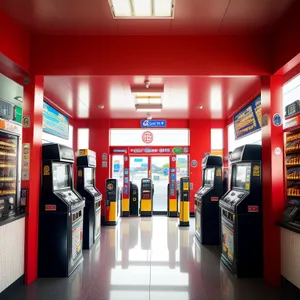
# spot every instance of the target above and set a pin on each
(111, 204)
(184, 219)
(146, 198)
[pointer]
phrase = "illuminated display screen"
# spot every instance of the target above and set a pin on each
(249, 119)
(209, 176)
(89, 177)
(241, 177)
(61, 176)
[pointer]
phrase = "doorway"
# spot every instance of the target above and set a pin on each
(160, 169)
(138, 170)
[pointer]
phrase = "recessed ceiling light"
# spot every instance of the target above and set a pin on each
(142, 9)
(199, 107)
(101, 106)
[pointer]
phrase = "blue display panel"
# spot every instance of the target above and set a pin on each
(54, 122)
(248, 120)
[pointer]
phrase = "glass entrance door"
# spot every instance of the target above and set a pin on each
(138, 170)
(160, 168)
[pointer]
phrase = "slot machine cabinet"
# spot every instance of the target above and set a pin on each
(207, 215)
(85, 185)
(241, 214)
(147, 189)
(134, 200)
(111, 204)
(61, 214)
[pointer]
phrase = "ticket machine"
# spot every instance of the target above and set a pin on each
(111, 204)
(85, 185)
(61, 214)
(146, 197)
(134, 200)
(207, 216)
(241, 214)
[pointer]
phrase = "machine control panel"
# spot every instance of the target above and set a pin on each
(70, 197)
(234, 197)
(95, 193)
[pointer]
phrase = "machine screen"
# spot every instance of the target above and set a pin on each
(209, 176)
(88, 177)
(242, 176)
(61, 176)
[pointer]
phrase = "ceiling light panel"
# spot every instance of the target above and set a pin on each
(121, 8)
(163, 8)
(142, 8)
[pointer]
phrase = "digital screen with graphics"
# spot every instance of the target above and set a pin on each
(61, 176)
(249, 119)
(54, 122)
(209, 176)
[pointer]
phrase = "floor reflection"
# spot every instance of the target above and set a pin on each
(149, 258)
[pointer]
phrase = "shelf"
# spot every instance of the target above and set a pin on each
(294, 152)
(288, 166)
(6, 179)
(14, 166)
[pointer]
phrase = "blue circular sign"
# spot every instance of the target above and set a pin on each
(277, 120)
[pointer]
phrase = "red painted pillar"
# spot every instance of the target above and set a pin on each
(272, 176)
(33, 107)
(99, 142)
(200, 133)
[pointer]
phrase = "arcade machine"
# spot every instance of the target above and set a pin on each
(61, 214)
(134, 200)
(241, 214)
(111, 204)
(207, 216)
(146, 197)
(85, 185)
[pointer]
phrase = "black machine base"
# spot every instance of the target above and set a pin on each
(110, 223)
(125, 214)
(184, 224)
(227, 264)
(146, 214)
(173, 214)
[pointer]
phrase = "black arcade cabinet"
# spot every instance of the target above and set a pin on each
(61, 214)
(147, 190)
(85, 185)
(111, 203)
(207, 215)
(134, 200)
(241, 214)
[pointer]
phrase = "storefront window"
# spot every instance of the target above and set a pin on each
(83, 138)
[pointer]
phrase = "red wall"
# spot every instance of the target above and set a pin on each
(151, 55)
(286, 44)
(15, 42)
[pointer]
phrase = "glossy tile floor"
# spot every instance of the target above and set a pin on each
(149, 258)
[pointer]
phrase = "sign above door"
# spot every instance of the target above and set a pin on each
(153, 123)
